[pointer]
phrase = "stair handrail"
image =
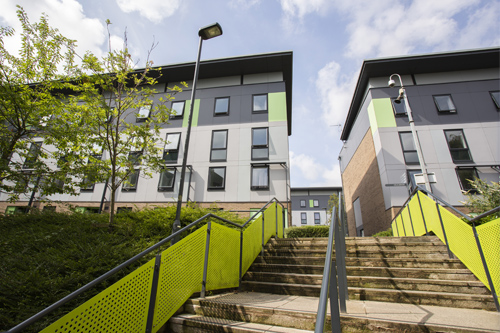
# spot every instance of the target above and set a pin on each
(474, 230)
(329, 287)
(123, 265)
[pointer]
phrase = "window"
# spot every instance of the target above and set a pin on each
(316, 203)
(464, 175)
(216, 178)
(142, 113)
(495, 95)
(135, 157)
(29, 162)
(178, 108)
(260, 177)
(399, 108)
(167, 179)
(408, 145)
(317, 219)
(221, 106)
(171, 150)
(260, 144)
(458, 146)
(121, 210)
(59, 184)
(49, 208)
(11, 210)
(302, 203)
(219, 146)
(87, 183)
(259, 103)
(444, 103)
(303, 218)
(131, 183)
(412, 183)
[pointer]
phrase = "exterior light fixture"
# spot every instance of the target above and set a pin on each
(204, 33)
(403, 96)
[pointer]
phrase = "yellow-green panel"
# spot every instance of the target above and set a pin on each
(224, 258)
(123, 307)
(380, 114)
(281, 228)
(277, 106)
(270, 222)
(196, 112)
(408, 222)
(431, 216)
(489, 236)
(311, 203)
(416, 216)
(252, 238)
(181, 275)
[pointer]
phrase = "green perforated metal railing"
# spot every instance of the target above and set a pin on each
(477, 247)
(144, 300)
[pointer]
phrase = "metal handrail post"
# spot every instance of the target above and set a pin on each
(450, 254)
(152, 298)
(340, 271)
(343, 250)
(205, 264)
(283, 221)
(423, 215)
(263, 236)
(241, 260)
(403, 224)
(485, 266)
(276, 216)
(334, 297)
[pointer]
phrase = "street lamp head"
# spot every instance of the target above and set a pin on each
(392, 83)
(210, 31)
(400, 97)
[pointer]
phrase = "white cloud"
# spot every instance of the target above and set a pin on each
(243, 4)
(312, 173)
(65, 15)
(153, 10)
(482, 28)
(335, 93)
(300, 8)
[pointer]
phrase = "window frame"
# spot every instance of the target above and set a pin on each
(458, 149)
(447, 111)
(408, 151)
(302, 205)
(253, 103)
(218, 114)
(318, 219)
(463, 185)
(32, 156)
(303, 218)
(140, 118)
(131, 187)
(400, 105)
(495, 100)
(210, 187)
(170, 151)
(259, 187)
(260, 146)
(212, 149)
(315, 203)
(183, 108)
(91, 185)
(169, 188)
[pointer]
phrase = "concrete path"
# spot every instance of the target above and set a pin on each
(432, 316)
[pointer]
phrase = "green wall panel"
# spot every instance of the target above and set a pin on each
(196, 113)
(277, 106)
(381, 114)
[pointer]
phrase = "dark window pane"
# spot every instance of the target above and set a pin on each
(461, 155)
(495, 95)
(259, 137)
(465, 175)
(216, 178)
(260, 103)
(32, 156)
(302, 203)
(260, 153)
(411, 157)
(316, 203)
(167, 178)
(219, 139)
(407, 141)
(135, 157)
(170, 156)
(456, 139)
(444, 103)
(458, 146)
(303, 218)
(222, 105)
(131, 183)
(218, 155)
(317, 219)
(399, 108)
(144, 111)
(172, 141)
(177, 108)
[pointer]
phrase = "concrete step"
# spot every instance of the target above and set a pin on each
(457, 300)
(366, 262)
(415, 253)
(259, 312)
(444, 286)
(371, 246)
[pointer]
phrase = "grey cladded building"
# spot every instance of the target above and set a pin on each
(238, 155)
(309, 205)
(455, 102)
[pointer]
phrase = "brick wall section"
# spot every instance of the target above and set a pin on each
(361, 178)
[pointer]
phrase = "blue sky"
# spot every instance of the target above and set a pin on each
(329, 39)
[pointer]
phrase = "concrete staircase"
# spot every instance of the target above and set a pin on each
(401, 275)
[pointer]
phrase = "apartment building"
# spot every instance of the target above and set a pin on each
(455, 101)
(309, 205)
(238, 151)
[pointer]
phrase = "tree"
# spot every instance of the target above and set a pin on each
(333, 202)
(482, 198)
(31, 107)
(122, 122)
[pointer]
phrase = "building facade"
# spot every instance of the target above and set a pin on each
(309, 205)
(455, 102)
(238, 151)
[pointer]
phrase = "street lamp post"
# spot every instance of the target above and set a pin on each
(204, 33)
(403, 96)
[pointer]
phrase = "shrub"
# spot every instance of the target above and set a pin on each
(482, 198)
(308, 231)
(385, 233)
